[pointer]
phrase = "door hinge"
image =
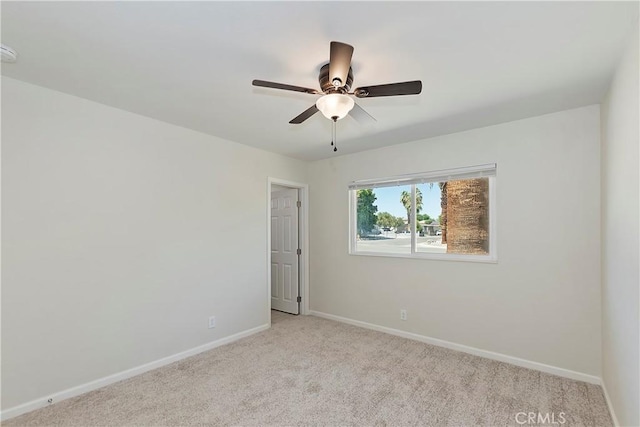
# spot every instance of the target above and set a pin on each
(299, 203)
(299, 299)
(299, 251)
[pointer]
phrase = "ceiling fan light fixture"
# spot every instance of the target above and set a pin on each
(335, 105)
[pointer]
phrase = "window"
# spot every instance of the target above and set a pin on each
(448, 214)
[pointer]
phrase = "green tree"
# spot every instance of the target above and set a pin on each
(385, 219)
(424, 217)
(366, 211)
(405, 199)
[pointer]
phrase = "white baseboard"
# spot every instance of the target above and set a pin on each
(611, 411)
(101, 382)
(561, 372)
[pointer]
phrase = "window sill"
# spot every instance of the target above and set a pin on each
(487, 259)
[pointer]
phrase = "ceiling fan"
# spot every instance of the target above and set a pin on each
(336, 78)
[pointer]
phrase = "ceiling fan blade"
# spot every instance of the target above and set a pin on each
(273, 85)
(391, 89)
(339, 63)
(304, 115)
(361, 115)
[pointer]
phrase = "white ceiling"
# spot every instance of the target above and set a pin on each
(192, 63)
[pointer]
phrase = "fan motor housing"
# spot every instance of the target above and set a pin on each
(327, 86)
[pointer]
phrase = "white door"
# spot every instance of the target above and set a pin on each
(284, 251)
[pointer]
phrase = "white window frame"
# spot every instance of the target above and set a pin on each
(480, 171)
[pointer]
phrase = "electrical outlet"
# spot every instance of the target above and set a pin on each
(403, 314)
(212, 322)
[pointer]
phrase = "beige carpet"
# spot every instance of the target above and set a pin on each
(310, 371)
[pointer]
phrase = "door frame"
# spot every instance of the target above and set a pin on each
(303, 235)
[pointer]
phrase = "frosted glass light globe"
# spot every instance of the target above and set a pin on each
(335, 105)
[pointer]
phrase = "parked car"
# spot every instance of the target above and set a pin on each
(439, 233)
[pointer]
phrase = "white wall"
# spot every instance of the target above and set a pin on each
(620, 234)
(121, 235)
(540, 302)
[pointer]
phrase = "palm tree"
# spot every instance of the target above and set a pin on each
(466, 216)
(443, 206)
(405, 199)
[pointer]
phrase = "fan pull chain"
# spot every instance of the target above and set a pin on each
(333, 129)
(334, 143)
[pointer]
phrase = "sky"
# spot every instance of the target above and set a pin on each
(388, 200)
